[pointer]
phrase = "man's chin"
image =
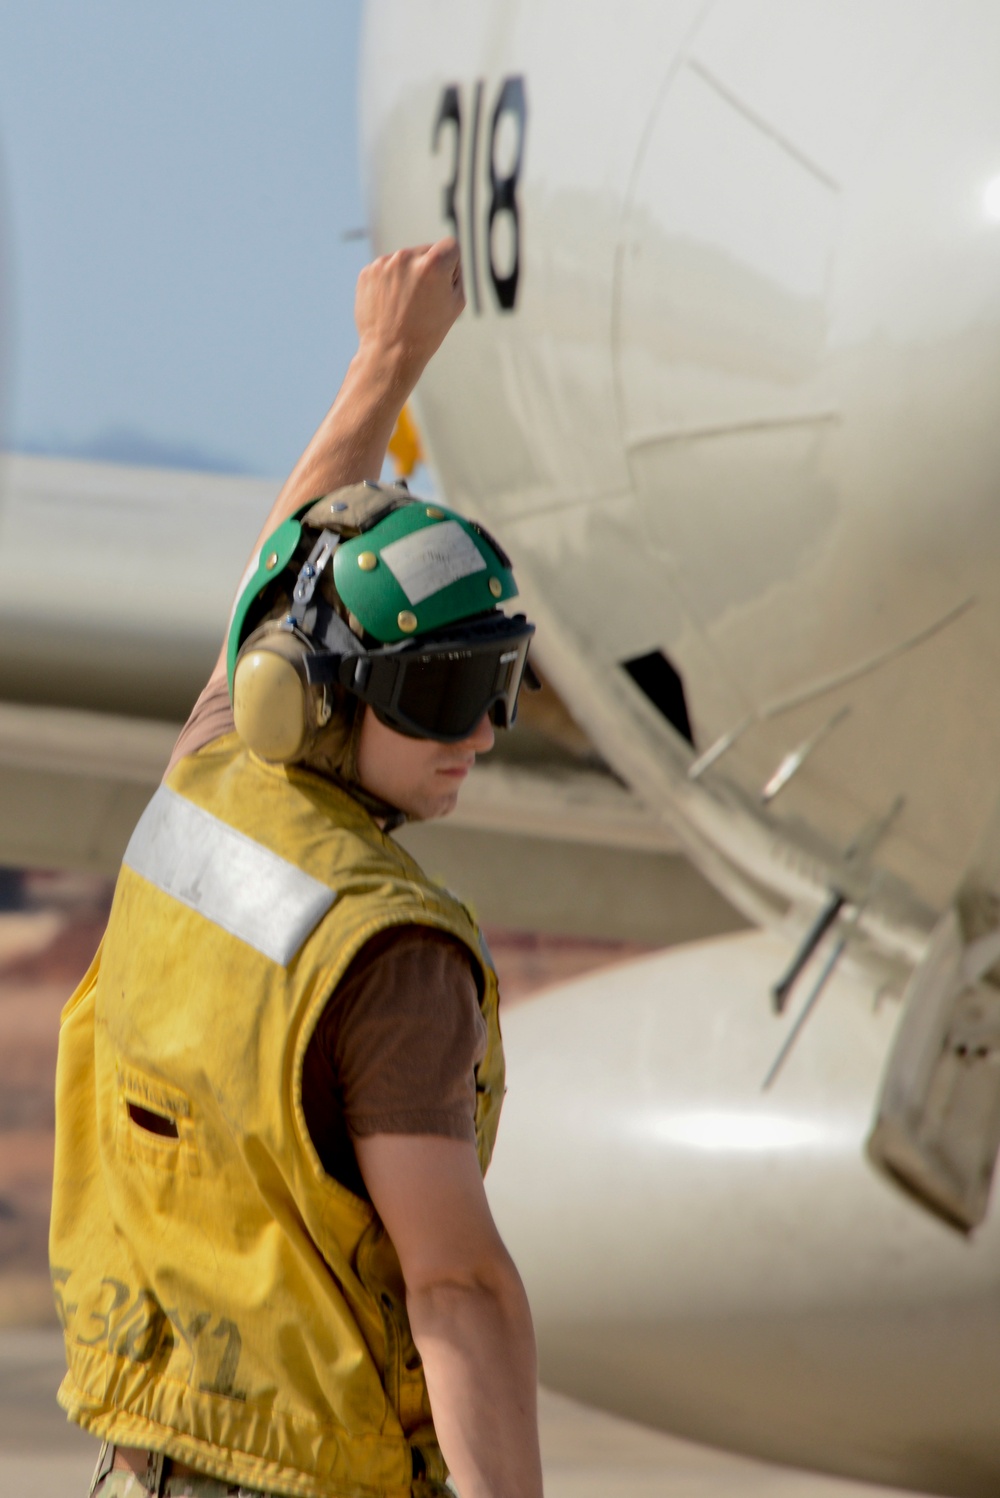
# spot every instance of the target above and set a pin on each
(433, 808)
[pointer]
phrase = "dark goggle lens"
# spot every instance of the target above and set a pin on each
(445, 694)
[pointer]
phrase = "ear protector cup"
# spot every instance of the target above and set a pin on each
(276, 710)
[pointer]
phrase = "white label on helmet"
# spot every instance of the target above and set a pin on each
(428, 560)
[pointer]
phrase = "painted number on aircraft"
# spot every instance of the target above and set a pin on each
(498, 213)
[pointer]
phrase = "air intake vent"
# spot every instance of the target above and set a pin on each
(654, 675)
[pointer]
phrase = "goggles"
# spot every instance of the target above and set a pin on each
(439, 688)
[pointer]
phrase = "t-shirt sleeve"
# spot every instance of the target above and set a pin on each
(397, 1046)
(211, 718)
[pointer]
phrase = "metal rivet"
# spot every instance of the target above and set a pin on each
(338, 506)
(406, 621)
(367, 561)
(272, 561)
(433, 513)
(496, 587)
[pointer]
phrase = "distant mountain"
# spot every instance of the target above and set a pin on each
(136, 448)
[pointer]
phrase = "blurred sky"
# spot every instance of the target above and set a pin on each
(175, 182)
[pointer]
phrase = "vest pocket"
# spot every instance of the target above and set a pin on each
(155, 1123)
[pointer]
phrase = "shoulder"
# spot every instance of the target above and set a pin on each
(211, 718)
(420, 953)
(403, 1034)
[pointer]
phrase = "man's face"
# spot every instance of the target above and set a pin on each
(420, 776)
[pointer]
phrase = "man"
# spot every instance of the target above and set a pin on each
(279, 1083)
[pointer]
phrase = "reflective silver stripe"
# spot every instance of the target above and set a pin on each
(226, 877)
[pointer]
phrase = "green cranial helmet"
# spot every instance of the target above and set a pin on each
(388, 598)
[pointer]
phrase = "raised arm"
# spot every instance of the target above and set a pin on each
(404, 306)
(468, 1311)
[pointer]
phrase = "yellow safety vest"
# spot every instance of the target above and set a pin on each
(223, 1299)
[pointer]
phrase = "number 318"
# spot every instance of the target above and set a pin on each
(499, 218)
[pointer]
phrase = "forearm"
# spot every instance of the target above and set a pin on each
(478, 1351)
(405, 304)
(350, 443)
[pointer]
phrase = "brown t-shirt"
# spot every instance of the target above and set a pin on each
(396, 1047)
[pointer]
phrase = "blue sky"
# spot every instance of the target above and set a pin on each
(175, 184)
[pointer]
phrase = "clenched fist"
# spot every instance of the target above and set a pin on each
(406, 302)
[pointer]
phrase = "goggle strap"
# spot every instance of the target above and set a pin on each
(334, 636)
(352, 670)
(324, 669)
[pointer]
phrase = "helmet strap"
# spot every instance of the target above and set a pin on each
(309, 575)
(390, 816)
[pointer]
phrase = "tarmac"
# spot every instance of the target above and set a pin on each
(586, 1454)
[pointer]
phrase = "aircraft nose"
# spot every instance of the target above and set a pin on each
(808, 346)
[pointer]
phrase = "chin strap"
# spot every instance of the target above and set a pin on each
(308, 579)
(343, 771)
(390, 816)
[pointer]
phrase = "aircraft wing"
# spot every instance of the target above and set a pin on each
(115, 587)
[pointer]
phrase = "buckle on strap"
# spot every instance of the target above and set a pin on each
(155, 1474)
(150, 1468)
(105, 1461)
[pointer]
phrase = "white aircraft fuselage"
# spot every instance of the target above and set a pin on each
(727, 386)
